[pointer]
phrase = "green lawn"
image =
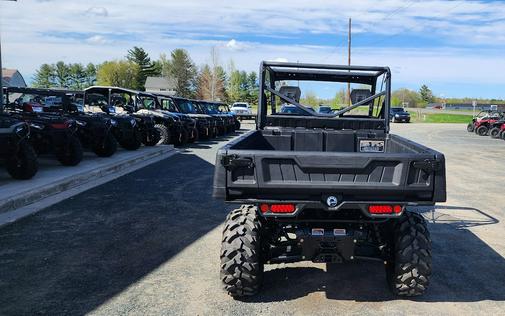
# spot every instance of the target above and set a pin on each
(439, 118)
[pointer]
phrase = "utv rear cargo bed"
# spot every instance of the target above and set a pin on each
(309, 164)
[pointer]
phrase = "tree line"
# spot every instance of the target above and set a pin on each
(205, 82)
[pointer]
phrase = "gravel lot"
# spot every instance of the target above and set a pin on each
(148, 243)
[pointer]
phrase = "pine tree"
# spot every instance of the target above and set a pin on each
(44, 77)
(147, 68)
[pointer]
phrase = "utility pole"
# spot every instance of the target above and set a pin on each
(1, 71)
(349, 60)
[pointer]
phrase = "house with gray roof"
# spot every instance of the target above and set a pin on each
(161, 85)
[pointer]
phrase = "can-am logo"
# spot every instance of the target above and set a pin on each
(332, 201)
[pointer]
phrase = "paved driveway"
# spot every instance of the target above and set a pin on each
(148, 243)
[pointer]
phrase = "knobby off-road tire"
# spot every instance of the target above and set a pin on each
(470, 127)
(410, 270)
(494, 132)
(502, 135)
(482, 130)
(237, 125)
(71, 155)
(241, 259)
(164, 134)
(23, 165)
(133, 143)
(107, 147)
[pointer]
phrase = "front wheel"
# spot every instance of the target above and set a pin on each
(71, 155)
(409, 271)
(502, 134)
(237, 125)
(241, 260)
(23, 164)
(470, 127)
(107, 147)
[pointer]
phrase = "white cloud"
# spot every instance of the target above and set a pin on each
(98, 40)
(97, 11)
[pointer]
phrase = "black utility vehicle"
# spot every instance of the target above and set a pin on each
(219, 120)
(16, 152)
(93, 130)
(131, 130)
(326, 188)
(206, 124)
(397, 115)
(165, 104)
(226, 120)
(224, 108)
(49, 134)
(176, 128)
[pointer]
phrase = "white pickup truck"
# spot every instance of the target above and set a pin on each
(243, 111)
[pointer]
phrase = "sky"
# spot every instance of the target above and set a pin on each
(455, 47)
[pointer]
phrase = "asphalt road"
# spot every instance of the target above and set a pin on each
(148, 243)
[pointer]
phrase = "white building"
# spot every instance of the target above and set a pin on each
(160, 85)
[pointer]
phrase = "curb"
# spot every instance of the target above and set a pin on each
(30, 196)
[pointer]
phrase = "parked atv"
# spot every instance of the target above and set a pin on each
(326, 188)
(170, 128)
(206, 124)
(50, 134)
(129, 131)
(93, 130)
(219, 120)
(495, 128)
(16, 152)
(165, 104)
(213, 108)
(483, 121)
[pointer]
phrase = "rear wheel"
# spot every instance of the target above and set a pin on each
(134, 142)
(71, 155)
(106, 148)
(241, 260)
(482, 130)
(409, 271)
(494, 132)
(23, 165)
(502, 134)
(470, 127)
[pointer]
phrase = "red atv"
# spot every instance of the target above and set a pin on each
(483, 126)
(482, 116)
(496, 128)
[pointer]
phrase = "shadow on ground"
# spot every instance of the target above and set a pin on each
(465, 269)
(77, 254)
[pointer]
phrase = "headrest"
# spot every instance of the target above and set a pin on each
(358, 95)
(291, 92)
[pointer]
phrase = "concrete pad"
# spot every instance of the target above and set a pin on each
(54, 178)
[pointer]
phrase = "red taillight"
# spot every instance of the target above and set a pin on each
(385, 209)
(59, 125)
(264, 208)
(277, 208)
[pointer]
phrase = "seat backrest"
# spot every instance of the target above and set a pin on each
(291, 92)
(358, 95)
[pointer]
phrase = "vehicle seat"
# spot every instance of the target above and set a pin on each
(358, 95)
(291, 92)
